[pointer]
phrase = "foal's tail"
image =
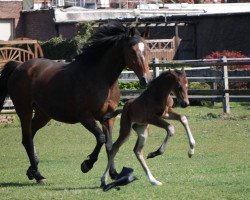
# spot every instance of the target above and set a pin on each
(110, 115)
(8, 68)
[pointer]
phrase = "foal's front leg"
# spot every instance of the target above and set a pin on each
(159, 122)
(184, 122)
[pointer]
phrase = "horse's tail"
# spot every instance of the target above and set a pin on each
(8, 68)
(110, 115)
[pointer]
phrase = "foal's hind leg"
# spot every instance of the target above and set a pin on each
(142, 136)
(125, 129)
(159, 122)
(107, 129)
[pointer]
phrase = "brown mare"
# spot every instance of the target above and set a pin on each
(81, 91)
(152, 107)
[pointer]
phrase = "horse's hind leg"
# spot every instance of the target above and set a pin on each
(38, 121)
(142, 136)
(25, 114)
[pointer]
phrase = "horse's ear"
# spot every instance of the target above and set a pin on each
(132, 32)
(145, 34)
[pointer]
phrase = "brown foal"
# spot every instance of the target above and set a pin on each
(152, 107)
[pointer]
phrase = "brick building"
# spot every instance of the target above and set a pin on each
(10, 12)
(207, 27)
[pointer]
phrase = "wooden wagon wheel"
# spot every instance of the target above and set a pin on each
(37, 49)
(13, 53)
(8, 52)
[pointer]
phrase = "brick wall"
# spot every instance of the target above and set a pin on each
(39, 24)
(12, 10)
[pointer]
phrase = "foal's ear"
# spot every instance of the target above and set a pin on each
(183, 70)
(145, 34)
(131, 32)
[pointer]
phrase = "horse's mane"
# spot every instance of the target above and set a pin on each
(105, 37)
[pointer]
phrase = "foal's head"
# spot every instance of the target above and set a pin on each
(180, 88)
(136, 55)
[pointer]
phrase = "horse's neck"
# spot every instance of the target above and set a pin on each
(110, 65)
(113, 64)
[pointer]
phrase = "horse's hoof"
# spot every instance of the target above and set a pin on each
(29, 174)
(102, 138)
(85, 167)
(42, 181)
(113, 174)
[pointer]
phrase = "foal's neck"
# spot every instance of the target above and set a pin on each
(163, 89)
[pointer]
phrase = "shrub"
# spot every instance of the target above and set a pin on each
(58, 48)
(129, 85)
(232, 54)
(229, 54)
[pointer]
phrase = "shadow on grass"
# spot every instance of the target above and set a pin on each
(76, 188)
(16, 184)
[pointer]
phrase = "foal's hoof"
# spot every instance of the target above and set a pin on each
(156, 183)
(86, 166)
(154, 154)
(151, 155)
(103, 185)
(190, 153)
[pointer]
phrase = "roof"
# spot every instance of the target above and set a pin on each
(77, 14)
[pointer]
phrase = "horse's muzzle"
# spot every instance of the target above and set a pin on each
(143, 82)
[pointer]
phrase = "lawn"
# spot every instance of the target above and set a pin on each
(219, 169)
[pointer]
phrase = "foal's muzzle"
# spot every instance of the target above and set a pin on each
(184, 104)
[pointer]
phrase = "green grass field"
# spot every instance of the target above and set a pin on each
(220, 168)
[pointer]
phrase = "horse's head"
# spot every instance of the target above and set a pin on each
(136, 55)
(181, 87)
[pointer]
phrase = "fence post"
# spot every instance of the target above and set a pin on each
(156, 70)
(226, 106)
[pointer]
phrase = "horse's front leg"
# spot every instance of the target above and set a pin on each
(184, 121)
(92, 126)
(159, 122)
